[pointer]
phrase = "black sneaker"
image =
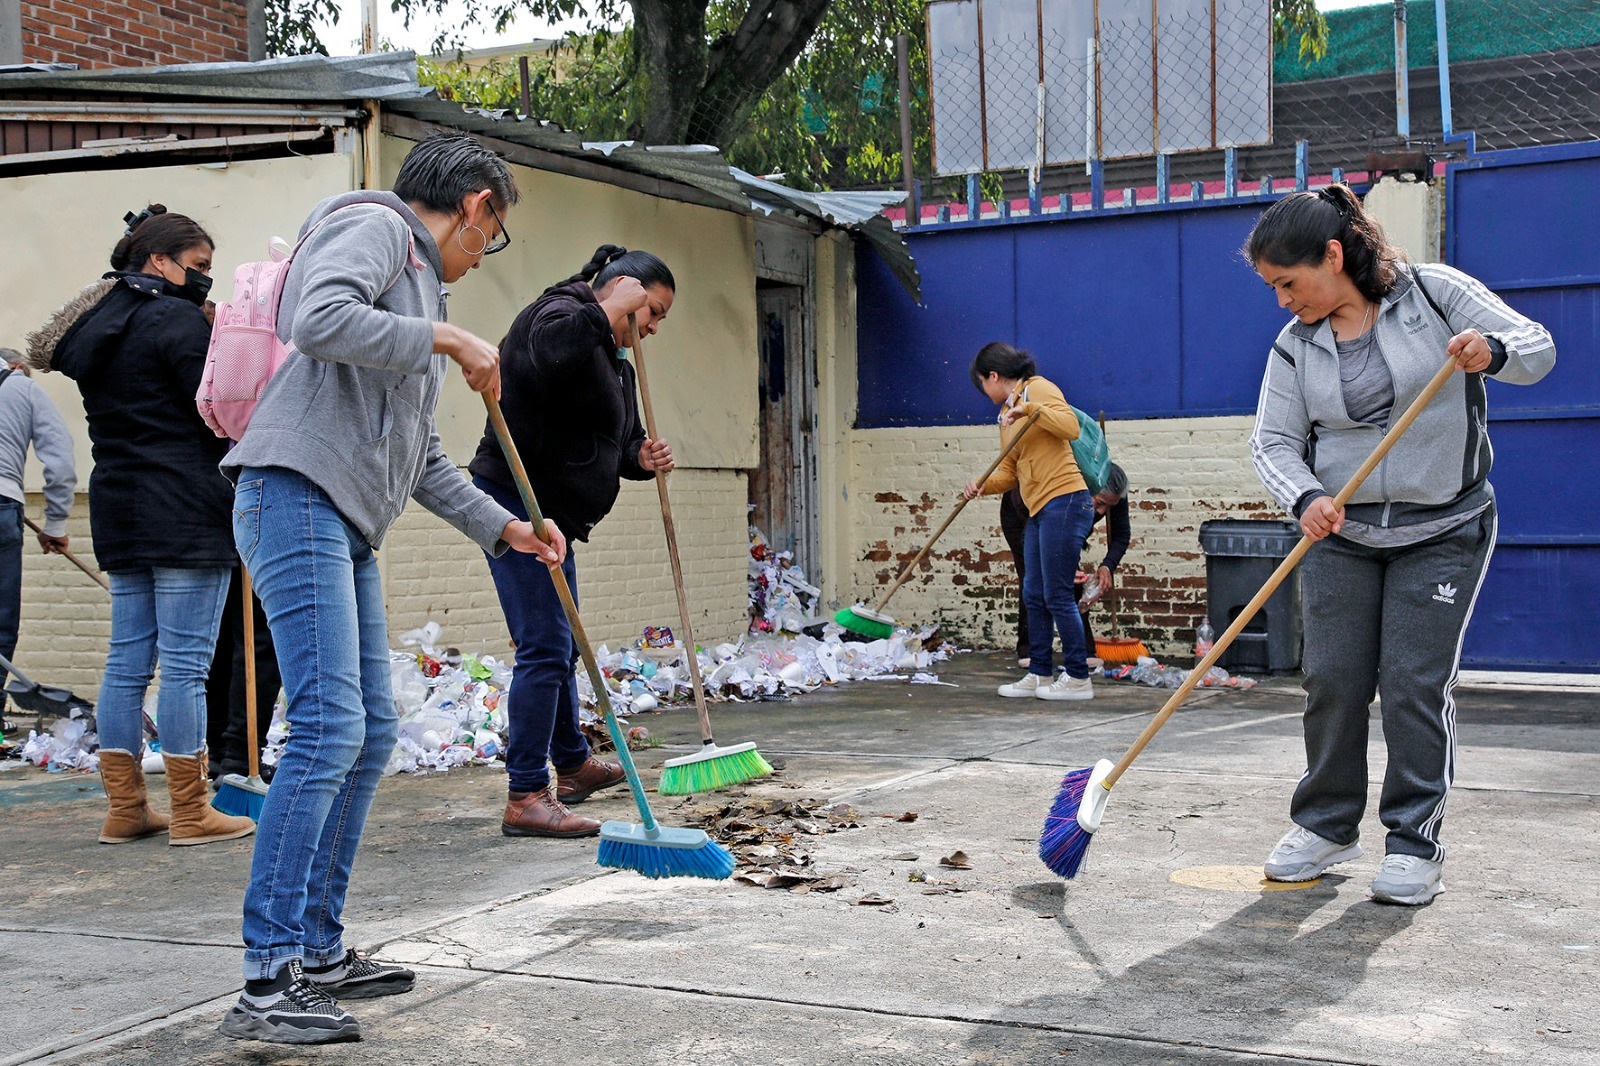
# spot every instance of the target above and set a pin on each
(353, 977)
(289, 1010)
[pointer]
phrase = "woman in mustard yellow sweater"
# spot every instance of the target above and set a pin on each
(1060, 512)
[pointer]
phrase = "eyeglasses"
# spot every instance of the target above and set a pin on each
(502, 241)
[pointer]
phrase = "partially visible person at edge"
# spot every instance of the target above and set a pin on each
(1389, 585)
(135, 343)
(227, 714)
(1060, 512)
(27, 417)
(343, 435)
(569, 401)
(1111, 500)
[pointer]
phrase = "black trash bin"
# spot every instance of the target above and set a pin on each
(1241, 555)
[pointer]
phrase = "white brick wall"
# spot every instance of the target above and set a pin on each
(904, 482)
(624, 576)
(66, 617)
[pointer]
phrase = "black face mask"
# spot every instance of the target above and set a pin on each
(195, 285)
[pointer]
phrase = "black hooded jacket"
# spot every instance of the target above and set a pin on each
(156, 497)
(569, 402)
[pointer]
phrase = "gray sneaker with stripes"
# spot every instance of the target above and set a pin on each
(289, 1009)
(354, 977)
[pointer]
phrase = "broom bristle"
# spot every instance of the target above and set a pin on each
(711, 769)
(671, 853)
(240, 795)
(1119, 651)
(863, 626)
(1063, 843)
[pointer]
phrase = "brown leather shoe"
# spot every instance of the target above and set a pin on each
(541, 814)
(578, 783)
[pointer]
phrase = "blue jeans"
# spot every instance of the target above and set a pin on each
(542, 706)
(318, 581)
(1051, 543)
(167, 615)
(10, 582)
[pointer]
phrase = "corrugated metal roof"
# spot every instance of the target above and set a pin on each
(391, 77)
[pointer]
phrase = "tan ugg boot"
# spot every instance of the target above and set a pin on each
(194, 820)
(130, 816)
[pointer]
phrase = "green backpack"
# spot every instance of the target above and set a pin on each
(1094, 458)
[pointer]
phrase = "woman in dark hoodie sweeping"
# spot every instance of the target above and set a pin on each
(569, 400)
(135, 343)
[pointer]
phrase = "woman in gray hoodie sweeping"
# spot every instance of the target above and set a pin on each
(343, 435)
(1390, 583)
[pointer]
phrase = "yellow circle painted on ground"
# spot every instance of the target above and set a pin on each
(1235, 879)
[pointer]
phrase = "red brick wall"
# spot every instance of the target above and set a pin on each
(134, 33)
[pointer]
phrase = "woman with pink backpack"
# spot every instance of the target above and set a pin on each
(343, 435)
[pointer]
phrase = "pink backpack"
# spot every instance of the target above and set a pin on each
(245, 350)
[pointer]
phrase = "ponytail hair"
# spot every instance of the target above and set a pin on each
(156, 231)
(1296, 230)
(998, 357)
(612, 261)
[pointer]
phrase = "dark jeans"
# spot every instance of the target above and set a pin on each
(226, 726)
(1013, 524)
(1052, 543)
(10, 582)
(542, 707)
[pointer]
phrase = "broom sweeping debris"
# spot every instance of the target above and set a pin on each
(711, 767)
(651, 849)
(872, 621)
(236, 794)
(1081, 802)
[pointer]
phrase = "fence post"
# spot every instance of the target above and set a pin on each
(1097, 185)
(1402, 74)
(1266, 186)
(974, 202)
(1163, 178)
(1443, 32)
(1230, 173)
(1197, 191)
(1302, 165)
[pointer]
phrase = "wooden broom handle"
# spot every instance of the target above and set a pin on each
(558, 576)
(73, 559)
(883, 601)
(690, 654)
(1288, 564)
(249, 596)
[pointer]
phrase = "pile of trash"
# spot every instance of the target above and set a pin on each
(71, 744)
(1148, 671)
(781, 599)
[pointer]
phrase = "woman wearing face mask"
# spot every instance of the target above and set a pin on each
(135, 343)
(342, 437)
(569, 401)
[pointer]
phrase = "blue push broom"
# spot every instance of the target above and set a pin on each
(872, 622)
(237, 794)
(1081, 803)
(711, 767)
(651, 849)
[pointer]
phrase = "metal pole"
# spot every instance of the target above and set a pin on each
(1443, 31)
(527, 91)
(902, 60)
(1402, 71)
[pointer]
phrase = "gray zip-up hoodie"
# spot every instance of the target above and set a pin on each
(27, 416)
(1305, 444)
(352, 407)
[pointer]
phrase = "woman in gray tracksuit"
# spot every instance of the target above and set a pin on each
(1389, 585)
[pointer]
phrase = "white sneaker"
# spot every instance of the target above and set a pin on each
(1066, 687)
(1408, 880)
(1026, 688)
(1302, 855)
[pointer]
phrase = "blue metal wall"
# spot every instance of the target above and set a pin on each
(1524, 223)
(1148, 314)
(1152, 314)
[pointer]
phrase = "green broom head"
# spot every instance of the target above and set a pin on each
(712, 768)
(663, 852)
(240, 795)
(864, 621)
(1073, 818)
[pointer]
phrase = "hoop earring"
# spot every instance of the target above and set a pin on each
(484, 247)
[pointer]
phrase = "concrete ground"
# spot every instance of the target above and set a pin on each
(1165, 949)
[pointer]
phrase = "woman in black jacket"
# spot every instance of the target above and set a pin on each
(160, 512)
(568, 395)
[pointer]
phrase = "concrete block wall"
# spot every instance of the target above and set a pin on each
(66, 617)
(134, 33)
(624, 576)
(904, 482)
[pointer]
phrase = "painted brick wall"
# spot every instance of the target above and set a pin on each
(134, 33)
(624, 577)
(904, 482)
(66, 617)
